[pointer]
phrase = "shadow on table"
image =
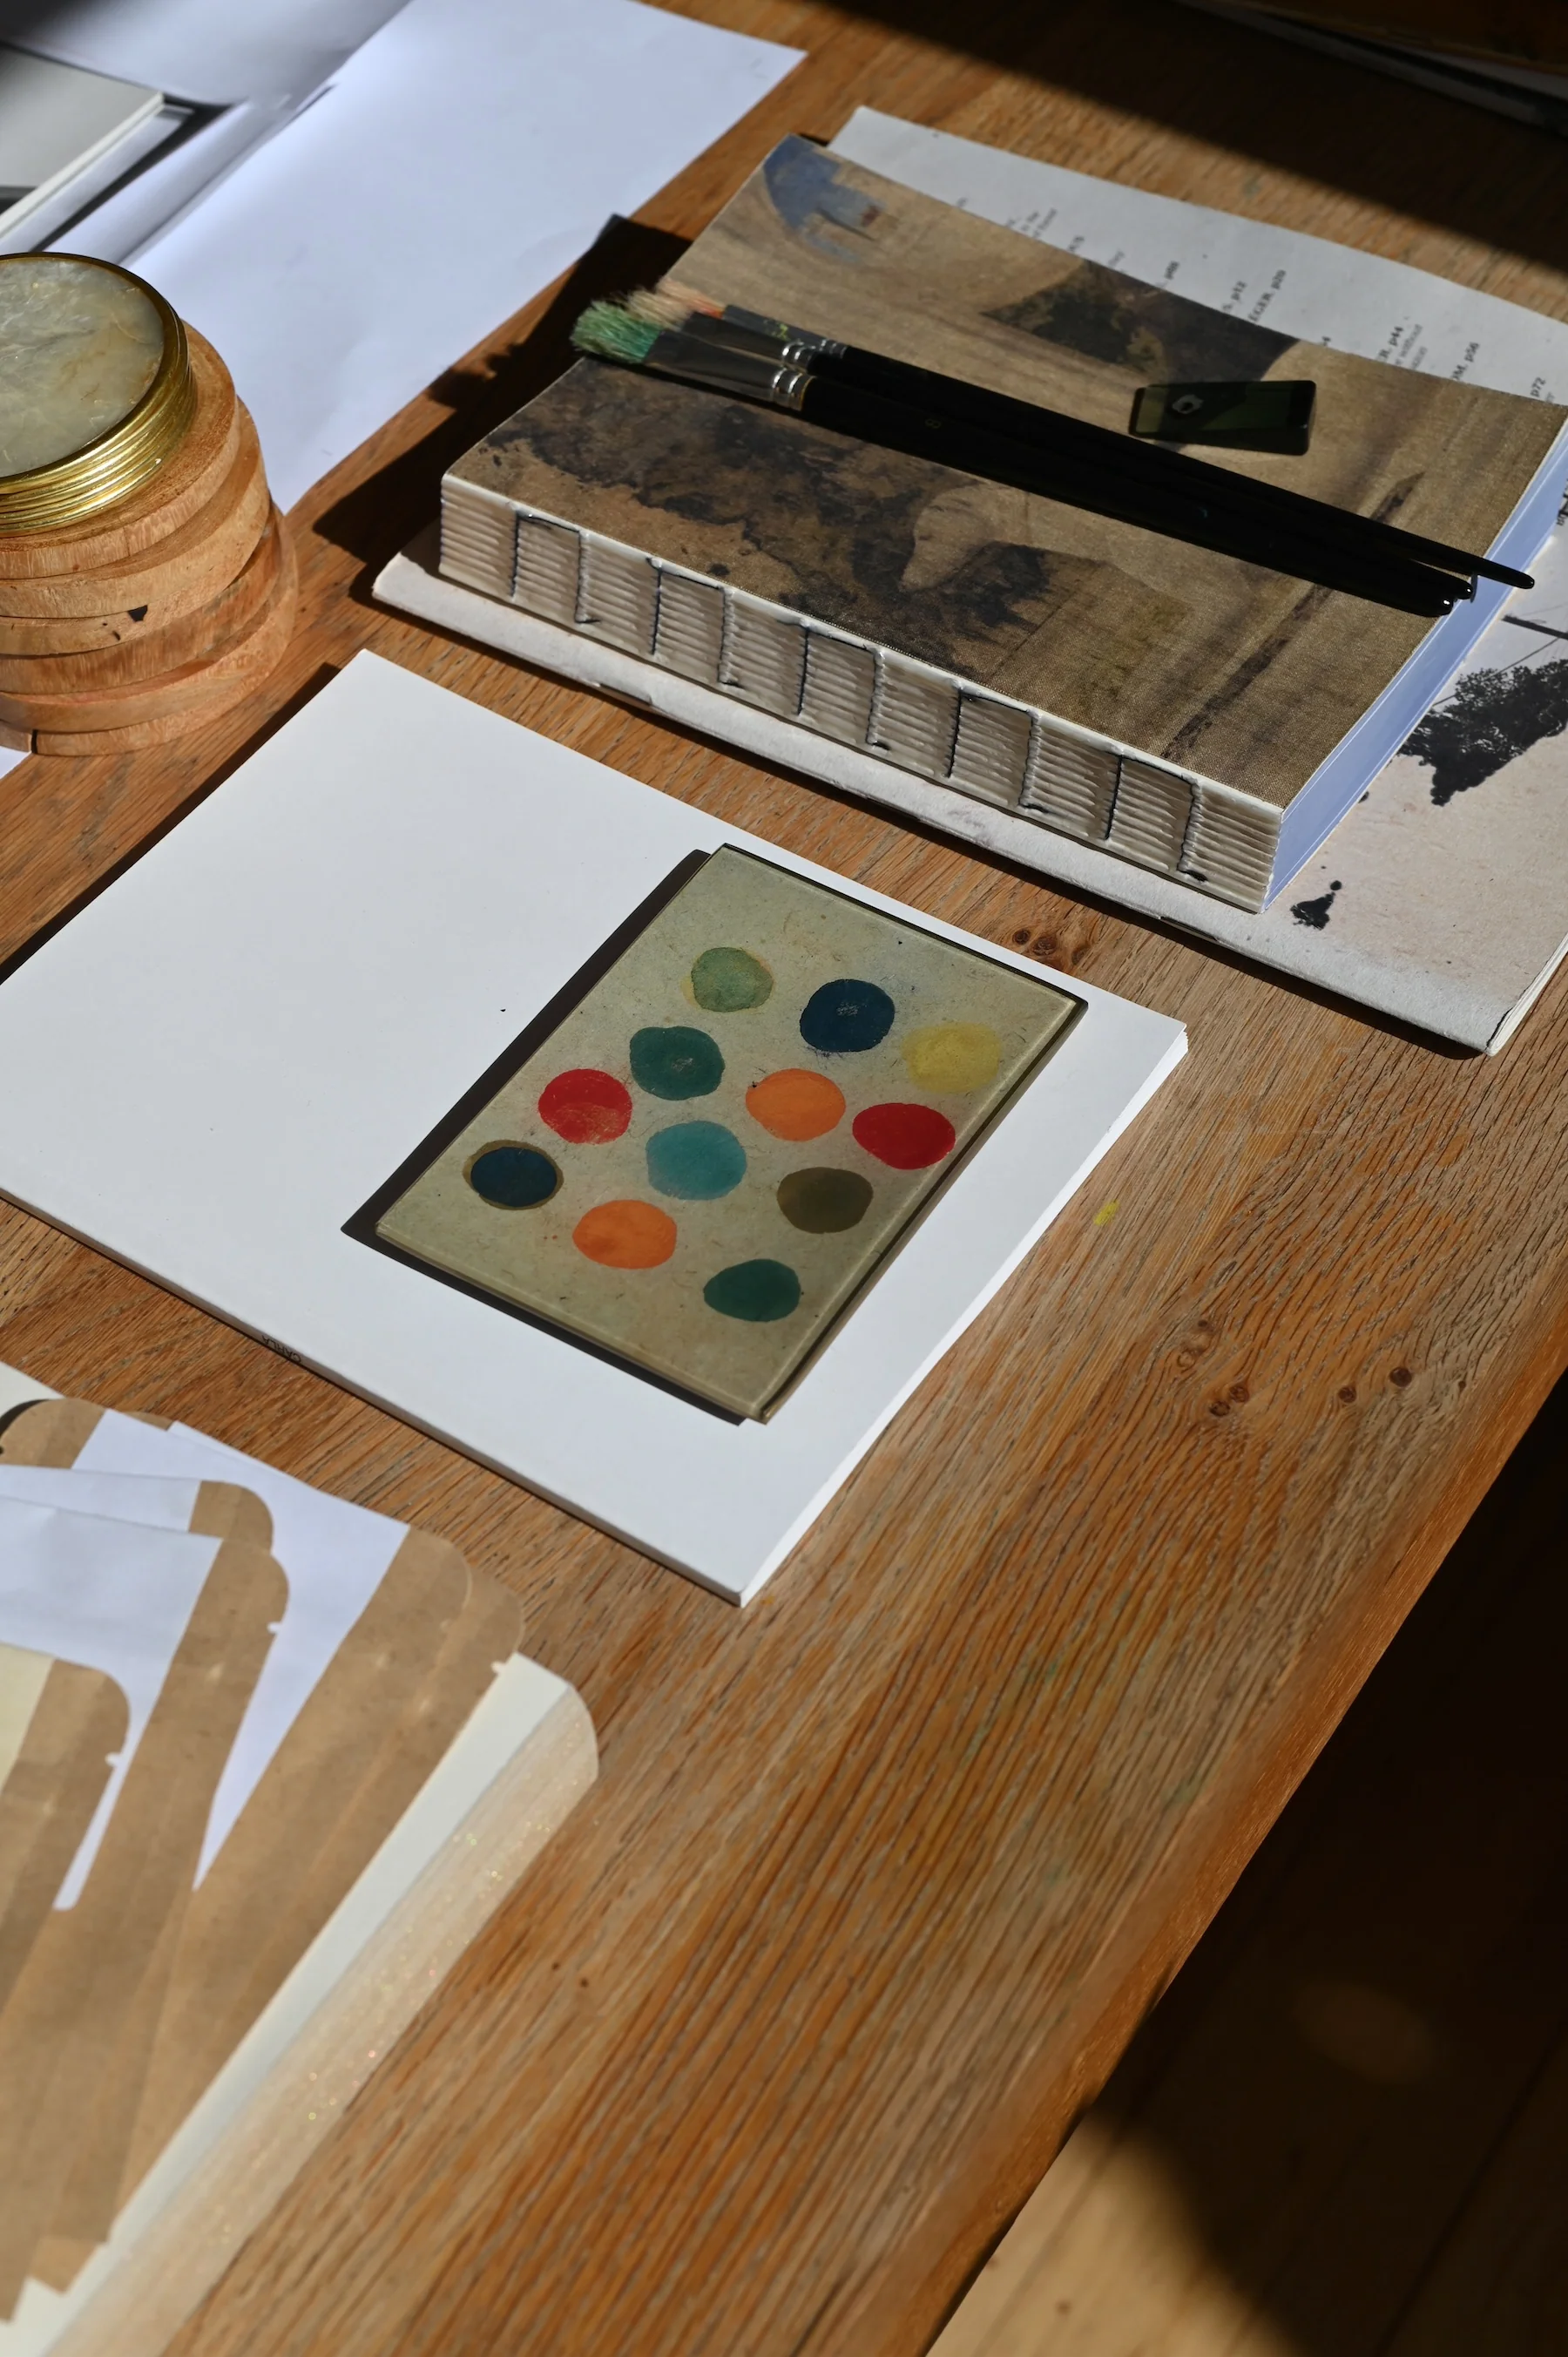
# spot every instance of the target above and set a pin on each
(1335, 124)
(1345, 2131)
(380, 515)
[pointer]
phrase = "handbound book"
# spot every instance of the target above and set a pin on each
(1201, 716)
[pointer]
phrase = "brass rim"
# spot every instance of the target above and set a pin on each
(121, 460)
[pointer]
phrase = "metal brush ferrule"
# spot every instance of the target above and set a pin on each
(745, 331)
(755, 376)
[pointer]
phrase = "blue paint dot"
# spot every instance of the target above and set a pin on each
(759, 1291)
(675, 1060)
(513, 1177)
(843, 1018)
(695, 1161)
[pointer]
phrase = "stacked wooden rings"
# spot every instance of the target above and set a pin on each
(147, 580)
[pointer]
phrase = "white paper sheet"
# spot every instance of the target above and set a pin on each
(160, 1504)
(115, 1596)
(463, 158)
(1301, 286)
(347, 932)
(333, 1553)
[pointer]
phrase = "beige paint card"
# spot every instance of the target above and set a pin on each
(60, 1723)
(700, 1166)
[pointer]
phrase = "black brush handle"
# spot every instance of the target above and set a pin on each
(1049, 430)
(950, 441)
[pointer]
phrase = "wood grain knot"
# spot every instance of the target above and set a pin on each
(1239, 1392)
(1347, 1393)
(1402, 1376)
(1219, 1407)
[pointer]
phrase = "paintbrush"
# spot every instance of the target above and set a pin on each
(611, 332)
(1094, 468)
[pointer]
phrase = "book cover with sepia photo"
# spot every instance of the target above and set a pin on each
(1201, 716)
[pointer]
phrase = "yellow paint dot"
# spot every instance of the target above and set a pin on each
(953, 1057)
(1106, 1213)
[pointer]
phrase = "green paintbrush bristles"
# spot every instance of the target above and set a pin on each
(610, 332)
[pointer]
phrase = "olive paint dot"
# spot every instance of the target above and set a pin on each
(513, 1178)
(625, 1235)
(586, 1107)
(759, 1291)
(952, 1058)
(796, 1105)
(695, 1161)
(824, 1202)
(905, 1137)
(674, 1060)
(726, 982)
(845, 1017)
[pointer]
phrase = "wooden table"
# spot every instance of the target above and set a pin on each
(881, 1873)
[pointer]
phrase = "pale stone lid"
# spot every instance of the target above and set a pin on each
(80, 347)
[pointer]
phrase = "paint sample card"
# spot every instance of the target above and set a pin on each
(701, 1165)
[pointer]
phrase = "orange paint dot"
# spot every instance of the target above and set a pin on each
(625, 1235)
(796, 1105)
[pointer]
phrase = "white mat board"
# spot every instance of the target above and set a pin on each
(269, 1011)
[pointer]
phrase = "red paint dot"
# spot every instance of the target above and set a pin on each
(586, 1107)
(905, 1137)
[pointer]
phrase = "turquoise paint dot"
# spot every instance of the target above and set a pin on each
(695, 1161)
(513, 1177)
(846, 1018)
(674, 1060)
(759, 1291)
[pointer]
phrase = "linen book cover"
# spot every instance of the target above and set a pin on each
(1190, 712)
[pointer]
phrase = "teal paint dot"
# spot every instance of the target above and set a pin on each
(513, 1177)
(759, 1291)
(726, 982)
(696, 1161)
(674, 1060)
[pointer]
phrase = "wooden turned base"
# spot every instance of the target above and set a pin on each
(174, 577)
(151, 712)
(163, 610)
(145, 651)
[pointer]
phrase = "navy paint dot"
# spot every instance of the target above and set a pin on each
(845, 1017)
(675, 1060)
(513, 1177)
(759, 1291)
(696, 1161)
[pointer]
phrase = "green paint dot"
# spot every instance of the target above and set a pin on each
(726, 982)
(674, 1060)
(759, 1291)
(824, 1202)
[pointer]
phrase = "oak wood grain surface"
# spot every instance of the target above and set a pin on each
(881, 1873)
